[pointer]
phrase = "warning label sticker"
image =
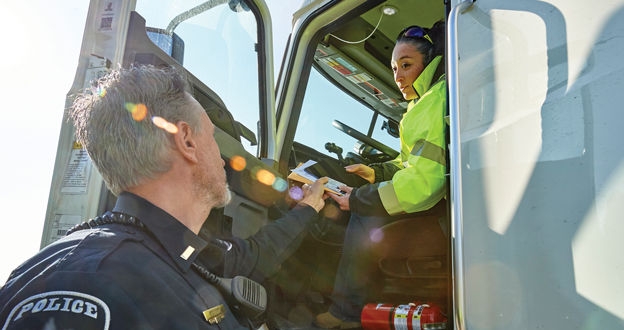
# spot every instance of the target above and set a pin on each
(60, 225)
(77, 172)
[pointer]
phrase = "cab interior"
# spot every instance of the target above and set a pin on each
(352, 57)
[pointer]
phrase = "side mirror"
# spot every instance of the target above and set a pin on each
(392, 127)
(171, 44)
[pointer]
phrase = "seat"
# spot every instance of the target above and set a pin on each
(414, 259)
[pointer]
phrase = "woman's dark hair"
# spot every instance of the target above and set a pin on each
(428, 41)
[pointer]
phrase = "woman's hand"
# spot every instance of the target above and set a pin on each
(343, 200)
(362, 171)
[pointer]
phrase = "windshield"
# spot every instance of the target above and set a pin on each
(324, 103)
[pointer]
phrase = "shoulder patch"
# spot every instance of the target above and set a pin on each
(59, 310)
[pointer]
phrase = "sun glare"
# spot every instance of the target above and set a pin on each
(138, 111)
(265, 177)
(164, 124)
(238, 163)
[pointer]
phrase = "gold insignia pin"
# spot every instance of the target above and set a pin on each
(215, 314)
(187, 253)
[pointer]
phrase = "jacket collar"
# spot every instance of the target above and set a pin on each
(425, 80)
(181, 243)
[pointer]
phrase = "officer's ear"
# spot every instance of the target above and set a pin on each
(185, 141)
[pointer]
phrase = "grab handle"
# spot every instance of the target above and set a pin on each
(456, 164)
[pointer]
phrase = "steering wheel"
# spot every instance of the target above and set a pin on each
(365, 139)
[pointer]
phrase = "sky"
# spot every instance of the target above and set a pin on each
(38, 61)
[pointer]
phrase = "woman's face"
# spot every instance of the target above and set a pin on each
(407, 64)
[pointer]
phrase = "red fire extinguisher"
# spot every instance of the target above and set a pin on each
(413, 316)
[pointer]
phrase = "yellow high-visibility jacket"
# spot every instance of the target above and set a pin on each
(415, 180)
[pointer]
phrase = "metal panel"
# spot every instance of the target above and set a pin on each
(77, 188)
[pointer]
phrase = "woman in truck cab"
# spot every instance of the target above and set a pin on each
(413, 182)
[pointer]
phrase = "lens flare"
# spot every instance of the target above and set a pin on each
(332, 211)
(280, 184)
(101, 92)
(265, 177)
(138, 111)
(164, 124)
(376, 235)
(238, 163)
(295, 193)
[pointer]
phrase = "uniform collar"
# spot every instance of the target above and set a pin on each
(425, 79)
(181, 243)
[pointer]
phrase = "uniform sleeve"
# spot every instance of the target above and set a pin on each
(110, 286)
(73, 300)
(260, 255)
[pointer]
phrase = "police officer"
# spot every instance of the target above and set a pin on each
(143, 265)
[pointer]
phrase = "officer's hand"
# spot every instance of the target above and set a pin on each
(314, 194)
(363, 171)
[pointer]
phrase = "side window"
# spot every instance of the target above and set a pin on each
(219, 49)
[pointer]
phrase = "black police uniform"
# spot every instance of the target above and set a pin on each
(117, 276)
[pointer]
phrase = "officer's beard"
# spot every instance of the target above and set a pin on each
(214, 194)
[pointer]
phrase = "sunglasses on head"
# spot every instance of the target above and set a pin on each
(414, 32)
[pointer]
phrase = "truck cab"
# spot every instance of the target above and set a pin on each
(527, 236)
